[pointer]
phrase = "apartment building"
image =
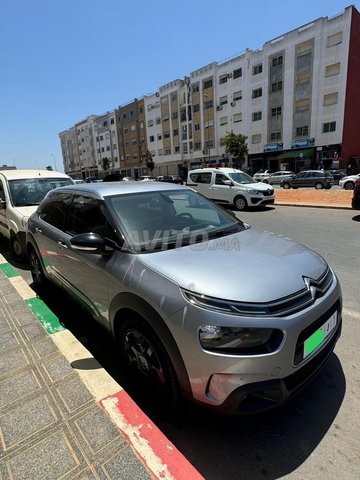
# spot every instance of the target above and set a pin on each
(296, 99)
(106, 145)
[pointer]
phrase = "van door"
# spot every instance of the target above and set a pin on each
(220, 192)
(4, 223)
(201, 182)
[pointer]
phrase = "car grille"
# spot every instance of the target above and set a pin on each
(269, 191)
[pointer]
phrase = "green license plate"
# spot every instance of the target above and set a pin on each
(318, 337)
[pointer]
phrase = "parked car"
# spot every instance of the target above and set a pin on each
(93, 179)
(21, 191)
(78, 180)
(276, 177)
(169, 179)
(260, 175)
(230, 186)
(147, 178)
(348, 182)
(183, 287)
(309, 178)
(356, 196)
(337, 174)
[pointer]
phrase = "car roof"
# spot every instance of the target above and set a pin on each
(119, 188)
(23, 174)
(216, 169)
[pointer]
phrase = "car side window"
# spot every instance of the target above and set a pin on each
(54, 209)
(201, 177)
(220, 179)
(2, 193)
(301, 175)
(85, 215)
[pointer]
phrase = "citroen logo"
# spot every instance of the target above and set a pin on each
(309, 284)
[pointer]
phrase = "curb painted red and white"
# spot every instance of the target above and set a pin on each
(157, 453)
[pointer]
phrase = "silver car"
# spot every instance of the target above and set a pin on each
(277, 177)
(203, 307)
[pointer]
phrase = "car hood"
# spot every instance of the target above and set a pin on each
(251, 266)
(262, 187)
(26, 211)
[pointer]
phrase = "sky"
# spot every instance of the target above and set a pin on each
(62, 60)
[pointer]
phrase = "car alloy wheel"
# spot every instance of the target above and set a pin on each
(349, 186)
(240, 203)
(16, 248)
(146, 360)
(37, 271)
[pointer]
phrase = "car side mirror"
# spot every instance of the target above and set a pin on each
(228, 182)
(2, 204)
(88, 243)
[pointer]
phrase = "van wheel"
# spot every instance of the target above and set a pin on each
(319, 186)
(16, 248)
(240, 203)
(147, 362)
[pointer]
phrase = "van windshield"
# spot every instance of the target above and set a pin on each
(242, 178)
(31, 191)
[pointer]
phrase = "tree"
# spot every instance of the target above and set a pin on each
(236, 145)
(106, 163)
(50, 168)
(149, 160)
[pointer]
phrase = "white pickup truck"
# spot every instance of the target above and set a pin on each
(21, 191)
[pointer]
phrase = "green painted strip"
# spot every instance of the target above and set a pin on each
(48, 319)
(9, 270)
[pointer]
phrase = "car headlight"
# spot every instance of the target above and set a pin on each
(253, 192)
(239, 340)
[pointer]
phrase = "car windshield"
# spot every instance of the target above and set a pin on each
(159, 220)
(242, 178)
(31, 191)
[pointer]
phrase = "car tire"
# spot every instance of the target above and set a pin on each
(265, 181)
(286, 185)
(349, 186)
(240, 203)
(146, 360)
(319, 186)
(37, 271)
(17, 248)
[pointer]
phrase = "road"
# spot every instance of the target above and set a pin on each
(317, 434)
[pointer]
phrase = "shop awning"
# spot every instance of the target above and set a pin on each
(306, 153)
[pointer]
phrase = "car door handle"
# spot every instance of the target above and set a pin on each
(62, 244)
(38, 230)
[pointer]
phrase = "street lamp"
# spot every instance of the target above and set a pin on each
(54, 161)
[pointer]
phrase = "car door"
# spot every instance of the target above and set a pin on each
(201, 182)
(299, 180)
(220, 192)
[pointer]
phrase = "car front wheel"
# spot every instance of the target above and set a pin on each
(36, 269)
(146, 360)
(17, 248)
(349, 186)
(240, 203)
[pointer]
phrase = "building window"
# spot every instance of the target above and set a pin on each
(333, 69)
(208, 83)
(197, 146)
(196, 107)
(256, 116)
(176, 132)
(134, 142)
(275, 135)
(159, 137)
(223, 79)
(173, 97)
(276, 112)
(329, 127)
(167, 151)
(150, 123)
(132, 128)
(277, 61)
(158, 120)
(176, 149)
(101, 138)
(112, 121)
(276, 86)
(302, 131)
(124, 116)
(257, 93)
(223, 120)
(335, 39)
(223, 100)
(237, 95)
(166, 134)
(151, 138)
(237, 73)
(195, 88)
(331, 99)
(257, 69)
(160, 151)
(174, 115)
(237, 117)
(256, 138)
(209, 104)
(197, 126)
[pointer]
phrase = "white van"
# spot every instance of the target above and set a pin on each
(231, 186)
(21, 191)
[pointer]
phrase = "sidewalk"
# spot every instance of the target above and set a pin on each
(61, 415)
(309, 197)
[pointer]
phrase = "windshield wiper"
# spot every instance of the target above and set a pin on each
(226, 231)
